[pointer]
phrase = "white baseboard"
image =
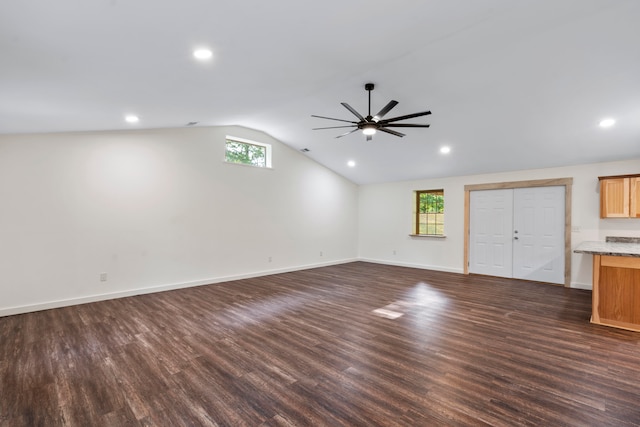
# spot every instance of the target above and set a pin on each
(9, 311)
(574, 285)
(585, 286)
(406, 264)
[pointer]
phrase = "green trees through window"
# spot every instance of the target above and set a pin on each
(430, 212)
(247, 153)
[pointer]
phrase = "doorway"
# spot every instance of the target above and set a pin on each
(519, 230)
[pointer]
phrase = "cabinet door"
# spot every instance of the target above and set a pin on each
(617, 292)
(634, 185)
(614, 198)
(618, 299)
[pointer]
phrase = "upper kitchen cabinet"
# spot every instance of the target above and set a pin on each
(634, 191)
(620, 196)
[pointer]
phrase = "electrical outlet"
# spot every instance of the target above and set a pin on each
(394, 251)
(320, 253)
(270, 259)
(103, 277)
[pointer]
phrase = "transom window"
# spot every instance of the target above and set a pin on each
(429, 208)
(245, 152)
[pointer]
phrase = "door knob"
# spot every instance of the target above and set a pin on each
(515, 238)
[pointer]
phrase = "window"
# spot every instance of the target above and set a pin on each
(429, 207)
(243, 151)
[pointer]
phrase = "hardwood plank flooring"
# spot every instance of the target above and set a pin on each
(306, 349)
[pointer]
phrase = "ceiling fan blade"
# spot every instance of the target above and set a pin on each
(348, 133)
(331, 118)
(404, 125)
(408, 116)
(369, 137)
(334, 127)
(392, 132)
(350, 108)
(385, 110)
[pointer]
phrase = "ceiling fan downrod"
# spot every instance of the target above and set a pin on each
(369, 87)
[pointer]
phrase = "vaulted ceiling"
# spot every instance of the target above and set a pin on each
(511, 84)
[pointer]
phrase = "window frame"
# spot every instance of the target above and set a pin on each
(416, 218)
(267, 150)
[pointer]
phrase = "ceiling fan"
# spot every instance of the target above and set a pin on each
(370, 124)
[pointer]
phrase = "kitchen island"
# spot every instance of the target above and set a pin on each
(616, 281)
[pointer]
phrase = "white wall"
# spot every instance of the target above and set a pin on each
(158, 210)
(385, 218)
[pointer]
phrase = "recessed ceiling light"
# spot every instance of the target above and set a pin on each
(606, 123)
(132, 119)
(351, 163)
(202, 54)
(445, 150)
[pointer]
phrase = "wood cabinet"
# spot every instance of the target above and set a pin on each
(634, 192)
(616, 291)
(620, 196)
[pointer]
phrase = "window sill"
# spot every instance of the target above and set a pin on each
(433, 236)
(247, 165)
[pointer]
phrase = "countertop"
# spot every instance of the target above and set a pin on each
(612, 247)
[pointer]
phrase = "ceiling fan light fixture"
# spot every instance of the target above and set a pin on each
(369, 130)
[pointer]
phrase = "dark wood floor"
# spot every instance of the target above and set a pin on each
(305, 349)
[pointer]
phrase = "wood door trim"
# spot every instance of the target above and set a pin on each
(635, 175)
(553, 182)
(520, 184)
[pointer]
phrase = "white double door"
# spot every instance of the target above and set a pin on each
(518, 232)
